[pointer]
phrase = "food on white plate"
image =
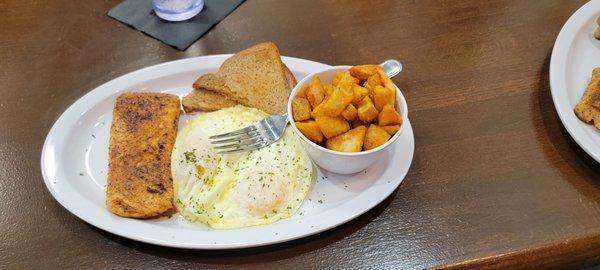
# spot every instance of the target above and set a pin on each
(332, 126)
(240, 189)
(301, 109)
(142, 135)
(389, 116)
(588, 108)
(351, 141)
(205, 100)
(311, 130)
(355, 112)
(375, 136)
(366, 110)
(597, 32)
(391, 129)
(255, 77)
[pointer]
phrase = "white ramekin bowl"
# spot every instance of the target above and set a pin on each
(342, 162)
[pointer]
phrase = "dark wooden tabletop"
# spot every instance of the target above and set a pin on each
(496, 180)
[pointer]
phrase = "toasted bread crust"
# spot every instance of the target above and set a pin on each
(142, 135)
(588, 108)
(290, 78)
(205, 101)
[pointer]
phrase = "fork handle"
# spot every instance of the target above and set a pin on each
(287, 117)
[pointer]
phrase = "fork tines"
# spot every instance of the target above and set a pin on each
(241, 140)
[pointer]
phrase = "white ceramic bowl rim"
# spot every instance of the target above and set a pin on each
(403, 111)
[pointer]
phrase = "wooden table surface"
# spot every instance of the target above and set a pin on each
(496, 180)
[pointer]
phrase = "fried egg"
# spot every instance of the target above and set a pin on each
(242, 189)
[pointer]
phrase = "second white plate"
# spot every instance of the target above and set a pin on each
(75, 155)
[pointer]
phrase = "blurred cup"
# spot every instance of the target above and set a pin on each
(177, 10)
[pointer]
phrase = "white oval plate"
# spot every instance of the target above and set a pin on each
(75, 156)
(576, 52)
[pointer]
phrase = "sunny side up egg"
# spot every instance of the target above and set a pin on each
(241, 189)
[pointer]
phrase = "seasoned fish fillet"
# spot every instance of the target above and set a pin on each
(142, 135)
(588, 108)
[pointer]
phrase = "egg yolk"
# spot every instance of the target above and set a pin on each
(261, 193)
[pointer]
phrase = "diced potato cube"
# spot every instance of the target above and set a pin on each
(363, 72)
(311, 130)
(366, 110)
(357, 122)
(302, 92)
(391, 129)
(351, 141)
(300, 109)
(350, 113)
(359, 93)
(372, 81)
(375, 136)
(385, 80)
(347, 78)
(328, 89)
(334, 104)
(332, 126)
(315, 93)
(383, 96)
(389, 116)
(337, 78)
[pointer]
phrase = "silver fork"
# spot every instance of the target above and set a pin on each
(270, 129)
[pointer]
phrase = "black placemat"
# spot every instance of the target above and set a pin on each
(140, 15)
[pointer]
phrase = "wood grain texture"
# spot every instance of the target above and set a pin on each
(496, 181)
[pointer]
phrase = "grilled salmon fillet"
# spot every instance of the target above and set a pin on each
(142, 135)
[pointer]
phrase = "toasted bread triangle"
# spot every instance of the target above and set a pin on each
(255, 77)
(206, 101)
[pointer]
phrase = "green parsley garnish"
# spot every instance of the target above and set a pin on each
(190, 156)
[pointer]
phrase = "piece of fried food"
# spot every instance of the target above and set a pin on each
(302, 92)
(375, 136)
(385, 80)
(363, 72)
(366, 110)
(315, 92)
(373, 81)
(142, 135)
(334, 104)
(391, 129)
(311, 130)
(347, 78)
(332, 126)
(300, 109)
(328, 89)
(588, 108)
(350, 113)
(389, 116)
(359, 93)
(337, 78)
(351, 141)
(383, 96)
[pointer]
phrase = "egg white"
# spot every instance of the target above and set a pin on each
(242, 189)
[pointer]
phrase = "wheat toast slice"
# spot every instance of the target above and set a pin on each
(255, 77)
(205, 101)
